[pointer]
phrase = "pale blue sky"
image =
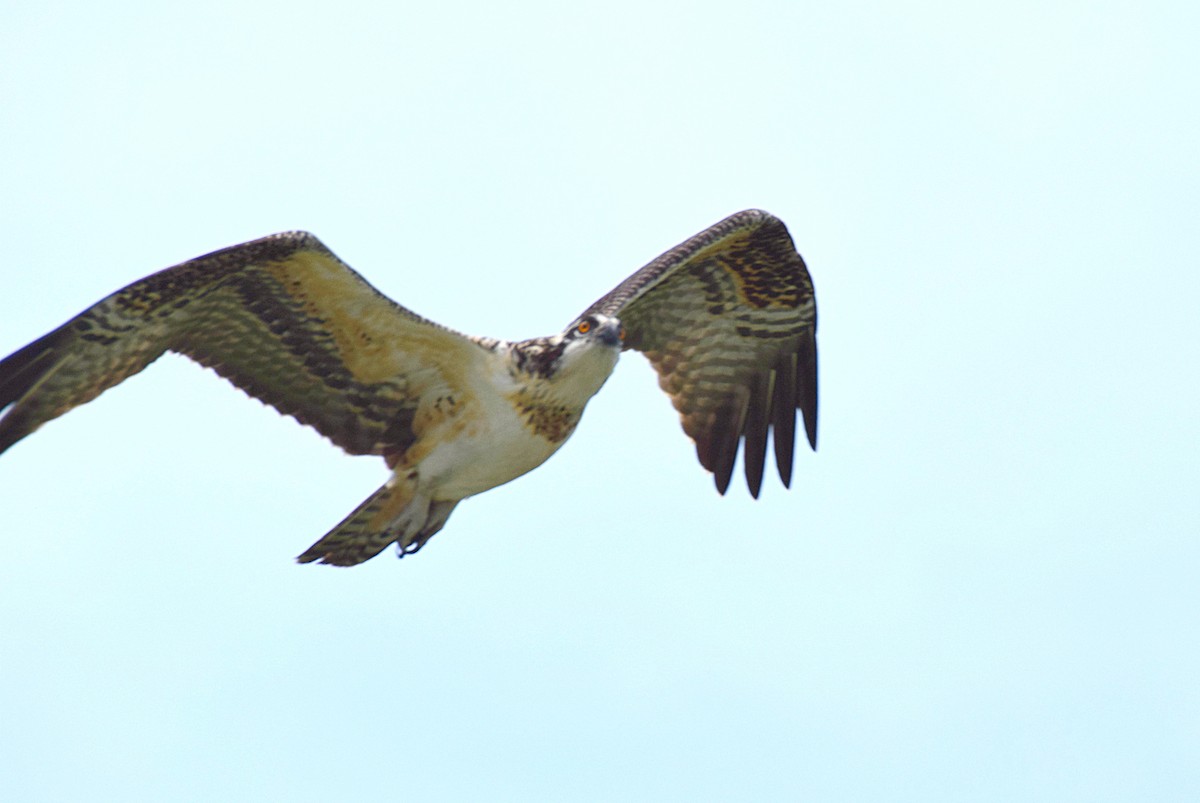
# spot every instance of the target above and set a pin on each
(982, 587)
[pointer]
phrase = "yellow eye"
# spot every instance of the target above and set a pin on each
(622, 333)
(584, 327)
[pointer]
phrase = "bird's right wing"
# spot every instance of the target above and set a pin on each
(280, 317)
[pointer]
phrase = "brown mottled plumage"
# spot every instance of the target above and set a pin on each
(728, 319)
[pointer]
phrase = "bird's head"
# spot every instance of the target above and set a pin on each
(577, 361)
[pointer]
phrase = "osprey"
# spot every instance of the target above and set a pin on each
(728, 320)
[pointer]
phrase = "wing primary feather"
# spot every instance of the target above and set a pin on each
(19, 373)
(725, 458)
(716, 315)
(729, 424)
(758, 416)
(806, 398)
(783, 416)
(22, 369)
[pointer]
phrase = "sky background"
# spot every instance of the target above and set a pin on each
(983, 586)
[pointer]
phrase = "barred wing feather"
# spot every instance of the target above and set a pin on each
(728, 320)
(281, 317)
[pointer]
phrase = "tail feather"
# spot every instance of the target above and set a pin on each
(393, 514)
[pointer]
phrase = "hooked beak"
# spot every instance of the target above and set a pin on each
(611, 333)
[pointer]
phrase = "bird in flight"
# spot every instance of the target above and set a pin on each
(727, 319)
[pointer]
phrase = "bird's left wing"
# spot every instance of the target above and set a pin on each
(280, 317)
(728, 319)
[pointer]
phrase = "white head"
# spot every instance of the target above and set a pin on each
(576, 362)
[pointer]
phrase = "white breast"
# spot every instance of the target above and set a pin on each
(490, 446)
(496, 449)
(491, 442)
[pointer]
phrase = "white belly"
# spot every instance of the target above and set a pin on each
(496, 437)
(490, 451)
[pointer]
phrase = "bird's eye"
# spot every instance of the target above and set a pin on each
(622, 333)
(584, 327)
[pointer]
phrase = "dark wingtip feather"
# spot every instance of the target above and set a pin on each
(727, 434)
(758, 416)
(806, 398)
(783, 417)
(724, 469)
(19, 372)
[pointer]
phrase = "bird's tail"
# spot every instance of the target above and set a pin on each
(397, 512)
